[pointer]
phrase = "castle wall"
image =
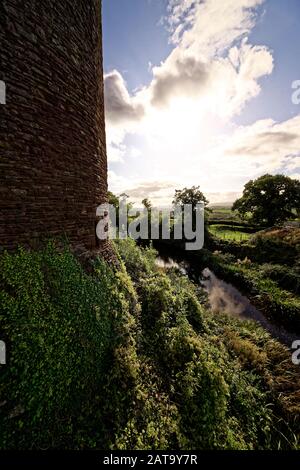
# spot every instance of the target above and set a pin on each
(53, 168)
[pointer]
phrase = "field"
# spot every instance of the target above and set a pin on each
(225, 232)
(269, 266)
(222, 213)
(227, 225)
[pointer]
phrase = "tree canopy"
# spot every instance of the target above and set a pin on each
(269, 199)
(191, 195)
(147, 203)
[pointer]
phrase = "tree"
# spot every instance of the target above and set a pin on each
(115, 201)
(191, 196)
(112, 199)
(147, 204)
(269, 199)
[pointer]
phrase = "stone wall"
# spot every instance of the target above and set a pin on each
(53, 154)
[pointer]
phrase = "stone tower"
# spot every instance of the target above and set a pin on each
(53, 168)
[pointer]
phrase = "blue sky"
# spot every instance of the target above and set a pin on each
(210, 105)
(278, 29)
(132, 38)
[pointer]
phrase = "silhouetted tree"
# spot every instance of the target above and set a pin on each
(269, 199)
(191, 196)
(147, 203)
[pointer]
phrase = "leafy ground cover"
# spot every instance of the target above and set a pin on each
(132, 358)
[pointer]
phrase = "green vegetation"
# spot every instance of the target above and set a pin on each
(270, 199)
(221, 214)
(191, 196)
(273, 288)
(226, 232)
(287, 236)
(132, 359)
(266, 268)
(56, 320)
(276, 246)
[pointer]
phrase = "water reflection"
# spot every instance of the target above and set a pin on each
(169, 263)
(224, 297)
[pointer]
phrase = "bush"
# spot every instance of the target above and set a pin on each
(286, 277)
(259, 249)
(219, 393)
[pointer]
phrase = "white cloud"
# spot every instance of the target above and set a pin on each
(160, 192)
(197, 67)
(265, 146)
(223, 197)
(116, 183)
(221, 84)
(211, 26)
(227, 164)
(183, 76)
(267, 142)
(119, 106)
(185, 114)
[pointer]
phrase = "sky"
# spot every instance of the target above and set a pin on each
(199, 92)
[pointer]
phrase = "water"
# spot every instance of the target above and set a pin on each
(224, 297)
(168, 263)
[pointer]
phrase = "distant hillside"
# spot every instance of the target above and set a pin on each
(221, 205)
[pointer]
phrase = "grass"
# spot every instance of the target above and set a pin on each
(229, 233)
(275, 246)
(222, 213)
(289, 235)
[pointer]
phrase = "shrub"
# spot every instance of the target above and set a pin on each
(207, 386)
